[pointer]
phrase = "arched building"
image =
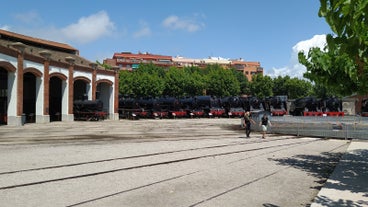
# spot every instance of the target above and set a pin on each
(40, 79)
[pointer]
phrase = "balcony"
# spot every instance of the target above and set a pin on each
(134, 61)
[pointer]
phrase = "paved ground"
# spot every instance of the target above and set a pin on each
(348, 184)
(190, 162)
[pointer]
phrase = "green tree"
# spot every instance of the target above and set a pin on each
(151, 69)
(261, 86)
(342, 65)
(335, 71)
(197, 83)
(126, 82)
(221, 82)
(321, 91)
(279, 86)
(176, 81)
(148, 80)
(243, 81)
(104, 65)
(145, 84)
(298, 88)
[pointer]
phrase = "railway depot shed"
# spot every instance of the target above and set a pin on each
(40, 79)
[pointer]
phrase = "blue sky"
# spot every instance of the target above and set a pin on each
(268, 31)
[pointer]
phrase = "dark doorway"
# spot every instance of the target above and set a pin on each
(55, 99)
(29, 97)
(80, 90)
(103, 93)
(3, 96)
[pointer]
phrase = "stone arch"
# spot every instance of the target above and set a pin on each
(8, 66)
(59, 75)
(34, 71)
(82, 88)
(85, 79)
(104, 81)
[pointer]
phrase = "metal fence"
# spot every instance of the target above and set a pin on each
(346, 127)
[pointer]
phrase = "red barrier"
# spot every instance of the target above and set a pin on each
(335, 113)
(318, 113)
(278, 112)
(313, 113)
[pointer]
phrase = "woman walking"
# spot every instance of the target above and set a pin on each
(264, 123)
(247, 123)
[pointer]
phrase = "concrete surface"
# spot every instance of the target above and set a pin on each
(189, 162)
(348, 184)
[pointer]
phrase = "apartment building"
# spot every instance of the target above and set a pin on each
(249, 69)
(130, 61)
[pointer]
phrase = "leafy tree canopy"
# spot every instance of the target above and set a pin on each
(150, 80)
(343, 64)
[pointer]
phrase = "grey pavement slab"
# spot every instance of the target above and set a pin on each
(348, 184)
(269, 173)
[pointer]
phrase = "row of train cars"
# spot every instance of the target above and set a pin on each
(210, 106)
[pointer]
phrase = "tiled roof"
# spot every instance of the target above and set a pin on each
(34, 46)
(141, 56)
(31, 40)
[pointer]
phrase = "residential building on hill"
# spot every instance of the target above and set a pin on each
(248, 68)
(130, 61)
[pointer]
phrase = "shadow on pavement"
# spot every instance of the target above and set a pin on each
(319, 166)
(351, 174)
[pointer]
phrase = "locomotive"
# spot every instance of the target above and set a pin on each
(276, 105)
(187, 107)
(231, 106)
(311, 106)
(88, 110)
(170, 107)
(210, 105)
(301, 105)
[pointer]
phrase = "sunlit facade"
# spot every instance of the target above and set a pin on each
(130, 61)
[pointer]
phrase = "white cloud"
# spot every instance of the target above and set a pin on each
(294, 68)
(144, 31)
(175, 23)
(5, 27)
(316, 41)
(90, 28)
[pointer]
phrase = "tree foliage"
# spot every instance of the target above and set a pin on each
(104, 65)
(150, 80)
(176, 81)
(292, 87)
(196, 84)
(342, 65)
(261, 86)
(298, 88)
(221, 82)
(243, 81)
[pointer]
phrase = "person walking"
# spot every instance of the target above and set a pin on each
(265, 122)
(247, 123)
